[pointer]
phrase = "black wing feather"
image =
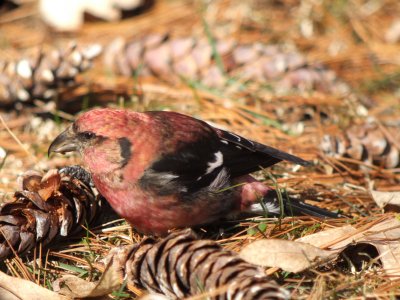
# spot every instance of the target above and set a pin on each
(188, 161)
(190, 164)
(187, 165)
(243, 156)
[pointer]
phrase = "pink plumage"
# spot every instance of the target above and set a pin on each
(163, 170)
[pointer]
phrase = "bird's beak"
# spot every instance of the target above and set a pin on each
(65, 142)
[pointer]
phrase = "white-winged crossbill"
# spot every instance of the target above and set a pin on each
(161, 170)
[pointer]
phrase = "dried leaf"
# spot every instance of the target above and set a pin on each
(323, 238)
(76, 287)
(6, 295)
(384, 236)
(384, 199)
(288, 255)
(26, 290)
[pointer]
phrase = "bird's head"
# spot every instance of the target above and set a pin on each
(101, 136)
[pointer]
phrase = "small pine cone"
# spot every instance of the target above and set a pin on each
(39, 77)
(287, 113)
(194, 59)
(368, 143)
(180, 266)
(47, 207)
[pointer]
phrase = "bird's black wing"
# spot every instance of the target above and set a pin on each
(192, 158)
(200, 156)
(243, 156)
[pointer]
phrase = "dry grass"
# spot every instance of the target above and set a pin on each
(346, 36)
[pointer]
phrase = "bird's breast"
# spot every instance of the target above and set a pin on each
(154, 214)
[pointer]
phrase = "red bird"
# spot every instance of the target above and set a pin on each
(161, 170)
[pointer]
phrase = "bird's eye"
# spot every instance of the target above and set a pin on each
(87, 135)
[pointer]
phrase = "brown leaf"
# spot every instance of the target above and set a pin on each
(384, 236)
(326, 237)
(288, 255)
(25, 290)
(73, 286)
(6, 295)
(387, 200)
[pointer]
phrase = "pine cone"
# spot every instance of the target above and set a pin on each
(47, 207)
(368, 143)
(180, 266)
(40, 77)
(289, 114)
(194, 59)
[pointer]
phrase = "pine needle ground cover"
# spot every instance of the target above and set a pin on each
(318, 79)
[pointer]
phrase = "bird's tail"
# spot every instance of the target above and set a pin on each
(271, 204)
(293, 207)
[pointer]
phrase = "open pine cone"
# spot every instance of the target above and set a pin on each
(47, 207)
(368, 142)
(41, 76)
(196, 59)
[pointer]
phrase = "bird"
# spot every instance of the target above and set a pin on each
(162, 170)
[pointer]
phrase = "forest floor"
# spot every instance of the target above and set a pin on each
(355, 40)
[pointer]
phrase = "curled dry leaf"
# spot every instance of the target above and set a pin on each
(390, 201)
(325, 246)
(327, 237)
(23, 289)
(111, 279)
(384, 236)
(290, 256)
(73, 286)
